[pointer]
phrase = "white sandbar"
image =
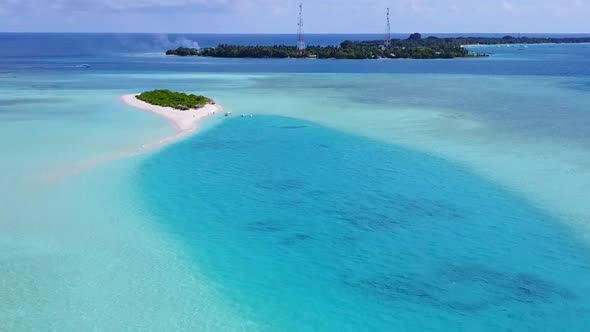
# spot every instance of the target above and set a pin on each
(186, 122)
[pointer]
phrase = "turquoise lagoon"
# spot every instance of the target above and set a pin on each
(386, 195)
(340, 233)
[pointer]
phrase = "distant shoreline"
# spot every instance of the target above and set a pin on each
(414, 47)
(518, 44)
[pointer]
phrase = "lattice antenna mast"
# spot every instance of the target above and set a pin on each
(387, 42)
(300, 35)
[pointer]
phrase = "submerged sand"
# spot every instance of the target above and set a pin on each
(186, 123)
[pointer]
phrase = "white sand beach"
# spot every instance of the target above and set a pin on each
(186, 122)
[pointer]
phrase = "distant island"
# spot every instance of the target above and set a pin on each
(177, 100)
(414, 47)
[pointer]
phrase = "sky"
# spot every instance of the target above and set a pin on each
(280, 16)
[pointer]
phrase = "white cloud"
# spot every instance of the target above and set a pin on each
(415, 6)
(280, 15)
(122, 5)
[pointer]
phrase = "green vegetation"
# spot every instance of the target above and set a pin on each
(177, 100)
(498, 41)
(410, 48)
(183, 51)
(347, 50)
(416, 40)
(414, 47)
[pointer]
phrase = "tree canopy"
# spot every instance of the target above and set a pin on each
(414, 47)
(177, 100)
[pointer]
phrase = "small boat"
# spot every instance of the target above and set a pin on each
(227, 113)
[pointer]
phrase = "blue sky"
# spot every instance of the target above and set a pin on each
(280, 16)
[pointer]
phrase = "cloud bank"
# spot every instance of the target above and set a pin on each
(279, 16)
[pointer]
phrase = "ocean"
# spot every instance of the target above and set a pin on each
(410, 195)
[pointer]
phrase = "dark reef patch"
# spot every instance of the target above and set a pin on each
(443, 287)
(297, 238)
(395, 210)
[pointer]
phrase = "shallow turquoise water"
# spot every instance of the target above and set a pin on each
(420, 195)
(306, 228)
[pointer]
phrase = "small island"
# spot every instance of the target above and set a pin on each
(414, 47)
(177, 100)
(184, 111)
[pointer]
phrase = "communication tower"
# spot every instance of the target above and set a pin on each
(387, 42)
(300, 35)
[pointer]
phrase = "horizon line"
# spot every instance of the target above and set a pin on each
(290, 33)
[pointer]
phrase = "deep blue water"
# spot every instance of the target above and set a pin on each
(36, 44)
(304, 228)
(49, 52)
